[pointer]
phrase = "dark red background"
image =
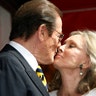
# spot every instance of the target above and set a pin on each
(79, 20)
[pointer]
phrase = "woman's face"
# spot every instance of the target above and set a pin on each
(72, 53)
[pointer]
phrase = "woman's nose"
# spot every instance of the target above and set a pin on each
(61, 48)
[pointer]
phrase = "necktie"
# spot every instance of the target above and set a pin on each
(40, 74)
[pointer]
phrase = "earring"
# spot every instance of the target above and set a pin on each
(81, 73)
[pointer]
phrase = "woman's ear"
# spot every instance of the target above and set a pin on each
(42, 32)
(87, 64)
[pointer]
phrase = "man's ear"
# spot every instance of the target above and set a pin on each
(42, 32)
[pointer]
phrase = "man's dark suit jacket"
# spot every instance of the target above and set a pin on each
(17, 78)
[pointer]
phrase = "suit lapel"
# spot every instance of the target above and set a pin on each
(30, 72)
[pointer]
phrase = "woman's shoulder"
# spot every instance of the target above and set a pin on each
(53, 93)
(91, 93)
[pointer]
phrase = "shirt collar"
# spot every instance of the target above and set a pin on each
(26, 54)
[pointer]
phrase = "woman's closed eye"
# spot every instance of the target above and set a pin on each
(72, 45)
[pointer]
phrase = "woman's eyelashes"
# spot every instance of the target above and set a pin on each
(71, 45)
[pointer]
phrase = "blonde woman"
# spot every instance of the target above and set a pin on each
(76, 65)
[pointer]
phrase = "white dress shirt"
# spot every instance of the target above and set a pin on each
(26, 54)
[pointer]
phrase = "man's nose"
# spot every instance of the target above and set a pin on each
(59, 44)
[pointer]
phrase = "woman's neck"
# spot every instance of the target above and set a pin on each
(67, 92)
(69, 84)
